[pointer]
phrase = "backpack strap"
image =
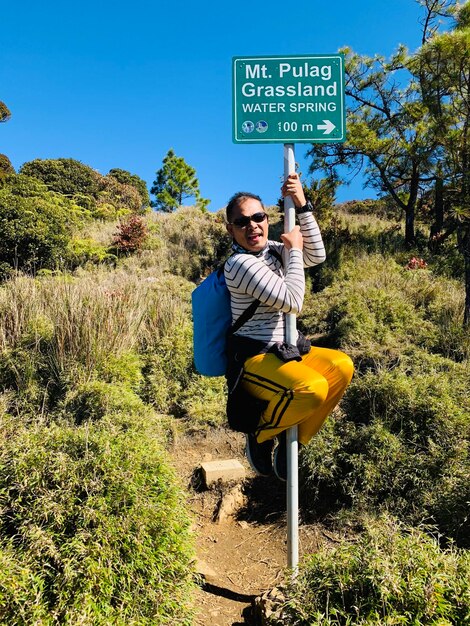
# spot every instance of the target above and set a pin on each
(244, 317)
(273, 252)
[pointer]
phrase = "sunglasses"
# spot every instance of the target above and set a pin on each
(242, 222)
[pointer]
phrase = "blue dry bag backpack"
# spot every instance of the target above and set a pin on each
(212, 318)
(212, 322)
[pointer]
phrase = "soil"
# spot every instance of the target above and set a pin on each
(244, 555)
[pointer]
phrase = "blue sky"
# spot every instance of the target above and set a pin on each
(117, 84)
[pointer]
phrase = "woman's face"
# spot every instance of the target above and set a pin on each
(254, 235)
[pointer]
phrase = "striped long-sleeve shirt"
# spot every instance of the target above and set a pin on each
(280, 287)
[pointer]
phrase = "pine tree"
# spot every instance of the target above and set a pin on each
(174, 182)
(443, 66)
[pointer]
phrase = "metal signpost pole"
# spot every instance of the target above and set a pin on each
(289, 99)
(292, 441)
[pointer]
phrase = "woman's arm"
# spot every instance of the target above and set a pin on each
(245, 274)
(314, 249)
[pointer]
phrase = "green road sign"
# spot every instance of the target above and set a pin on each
(289, 99)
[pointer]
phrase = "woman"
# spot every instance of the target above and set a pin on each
(294, 384)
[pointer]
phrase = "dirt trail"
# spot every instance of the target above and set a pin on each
(244, 555)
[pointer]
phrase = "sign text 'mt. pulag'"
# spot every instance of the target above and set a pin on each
(286, 71)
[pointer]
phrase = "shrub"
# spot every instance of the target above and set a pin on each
(65, 176)
(21, 589)
(447, 259)
(376, 309)
(86, 251)
(93, 529)
(203, 401)
(6, 167)
(390, 574)
(35, 229)
(104, 197)
(168, 367)
(124, 198)
(131, 235)
(95, 399)
(126, 178)
(402, 445)
(124, 368)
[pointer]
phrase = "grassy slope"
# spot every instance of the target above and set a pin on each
(90, 362)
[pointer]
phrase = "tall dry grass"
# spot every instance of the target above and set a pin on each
(76, 323)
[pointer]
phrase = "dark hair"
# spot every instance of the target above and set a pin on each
(237, 199)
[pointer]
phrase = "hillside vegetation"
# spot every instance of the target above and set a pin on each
(96, 376)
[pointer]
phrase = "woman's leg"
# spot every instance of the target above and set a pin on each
(301, 393)
(294, 392)
(337, 368)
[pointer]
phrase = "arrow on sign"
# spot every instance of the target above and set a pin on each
(327, 126)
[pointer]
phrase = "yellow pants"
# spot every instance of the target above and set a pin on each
(299, 392)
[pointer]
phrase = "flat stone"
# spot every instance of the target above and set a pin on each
(205, 570)
(226, 471)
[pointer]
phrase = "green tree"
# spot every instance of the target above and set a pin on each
(321, 193)
(6, 167)
(4, 112)
(115, 198)
(104, 197)
(443, 67)
(126, 178)
(36, 225)
(174, 182)
(68, 177)
(389, 135)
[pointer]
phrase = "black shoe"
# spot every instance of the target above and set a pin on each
(259, 455)
(280, 457)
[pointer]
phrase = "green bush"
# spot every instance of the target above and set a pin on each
(388, 575)
(402, 440)
(64, 176)
(375, 309)
(35, 229)
(447, 260)
(104, 197)
(93, 529)
(82, 251)
(124, 369)
(203, 401)
(168, 366)
(402, 444)
(6, 168)
(95, 399)
(124, 198)
(126, 178)
(196, 241)
(22, 589)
